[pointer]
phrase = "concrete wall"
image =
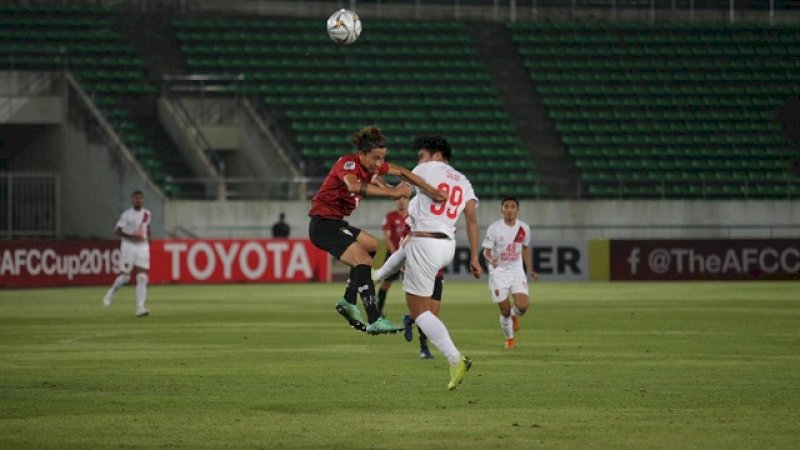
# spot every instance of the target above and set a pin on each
(92, 204)
(95, 180)
(549, 219)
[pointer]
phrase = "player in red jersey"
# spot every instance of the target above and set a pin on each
(352, 177)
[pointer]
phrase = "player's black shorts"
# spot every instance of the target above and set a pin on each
(332, 235)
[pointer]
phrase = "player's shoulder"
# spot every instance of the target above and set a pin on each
(347, 162)
(496, 224)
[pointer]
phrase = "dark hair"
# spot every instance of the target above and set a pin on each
(433, 143)
(368, 138)
(513, 199)
(137, 192)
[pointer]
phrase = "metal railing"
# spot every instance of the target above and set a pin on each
(29, 205)
(700, 189)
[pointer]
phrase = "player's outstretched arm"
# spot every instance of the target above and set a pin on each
(408, 176)
(365, 188)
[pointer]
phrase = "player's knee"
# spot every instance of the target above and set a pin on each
(142, 278)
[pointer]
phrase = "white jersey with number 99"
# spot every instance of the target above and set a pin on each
(426, 215)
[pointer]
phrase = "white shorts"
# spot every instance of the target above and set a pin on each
(424, 258)
(134, 256)
(503, 283)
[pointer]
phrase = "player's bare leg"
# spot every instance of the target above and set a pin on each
(519, 308)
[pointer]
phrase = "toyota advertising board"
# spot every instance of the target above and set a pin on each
(76, 263)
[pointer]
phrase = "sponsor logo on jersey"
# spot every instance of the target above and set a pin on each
(349, 165)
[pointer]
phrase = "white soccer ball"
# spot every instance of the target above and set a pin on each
(344, 26)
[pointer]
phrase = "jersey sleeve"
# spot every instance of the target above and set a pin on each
(488, 241)
(469, 193)
(344, 166)
(387, 225)
(527, 241)
(120, 222)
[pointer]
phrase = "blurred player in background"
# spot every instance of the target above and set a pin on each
(505, 247)
(431, 245)
(394, 228)
(133, 228)
(352, 177)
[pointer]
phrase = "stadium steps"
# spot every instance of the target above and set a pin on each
(672, 110)
(529, 115)
(84, 39)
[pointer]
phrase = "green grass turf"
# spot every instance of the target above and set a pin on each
(597, 365)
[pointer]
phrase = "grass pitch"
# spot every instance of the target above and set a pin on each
(597, 365)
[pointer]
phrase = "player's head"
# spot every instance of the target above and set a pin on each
(509, 207)
(401, 203)
(432, 148)
(371, 145)
(137, 199)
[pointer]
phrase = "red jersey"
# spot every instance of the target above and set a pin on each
(333, 200)
(396, 225)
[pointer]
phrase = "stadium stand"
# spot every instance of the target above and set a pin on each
(409, 79)
(669, 110)
(83, 39)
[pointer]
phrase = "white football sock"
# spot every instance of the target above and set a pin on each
(394, 263)
(141, 290)
(121, 280)
(438, 336)
(515, 311)
(507, 325)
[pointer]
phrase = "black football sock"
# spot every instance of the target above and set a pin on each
(423, 340)
(365, 287)
(382, 298)
(350, 289)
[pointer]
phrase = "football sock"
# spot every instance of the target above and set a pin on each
(438, 336)
(438, 286)
(350, 290)
(516, 312)
(423, 340)
(393, 264)
(382, 298)
(507, 325)
(141, 290)
(121, 280)
(364, 286)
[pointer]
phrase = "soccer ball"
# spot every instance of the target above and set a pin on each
(344, 26)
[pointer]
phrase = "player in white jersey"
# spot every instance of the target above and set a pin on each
(431, 245)
(133, 227)
(506, 246)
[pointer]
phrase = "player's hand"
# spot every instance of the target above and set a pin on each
(135, 238)
(475, 267)
(534, 276)
(401, 190)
